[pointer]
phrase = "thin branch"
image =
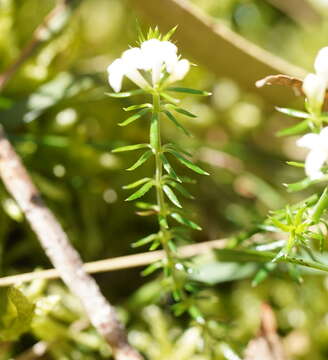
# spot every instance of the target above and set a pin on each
(40, 35)
(118, 263)
(301, 11)
(63, 256)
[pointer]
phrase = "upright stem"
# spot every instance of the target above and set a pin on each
(156, 143)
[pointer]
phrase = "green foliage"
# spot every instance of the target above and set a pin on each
(16, 314)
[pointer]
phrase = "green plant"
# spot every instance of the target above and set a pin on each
(155, 67)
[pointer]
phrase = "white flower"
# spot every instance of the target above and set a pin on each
(314, 88)
(128, 65)
(157, 54)
(321, 64)
(315, 85)
(318, 155)
(154, 56)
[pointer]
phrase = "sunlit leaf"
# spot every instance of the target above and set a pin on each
(293, 112)
(143, 158)
(170, 194)
(152, 268)
(136, 183)
(181, 190)
(141, 192)
(189, 91)
(294, 130)
(145, 240)
(130, 148)
(137, 107)
(169, 169)
(176, 122)
(182, 220)
(188, 163)
(180, 110)
(134, 117)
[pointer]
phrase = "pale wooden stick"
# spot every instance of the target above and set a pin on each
(118, 263)
(63, 256)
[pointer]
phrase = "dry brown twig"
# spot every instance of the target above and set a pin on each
(49, 232)
(63, 256)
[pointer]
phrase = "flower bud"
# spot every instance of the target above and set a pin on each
(314, 88)
(321, 64)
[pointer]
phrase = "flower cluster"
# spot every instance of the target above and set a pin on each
(315, 85)
(154, 57)
(318, 155)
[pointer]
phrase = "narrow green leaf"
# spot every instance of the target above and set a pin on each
(169, 169)
(181, 190)
(136, 183)
(169, 98)
(143, 158)
(263, 273)
(152, 268)
(126, 93)
(320, 206)
(137, 107)
(141, 192)
(188, 163)
(296, 164)
(145, 206)
(293, 112)
(176, 122)
(134, 117)
(180, 110)
(170, 194)
(145, 240)
(294, 130)
(300, 185)
(130, 148)
(169, 34)
(182, 220)
(155, 245)
(177, 148)
(189, 91)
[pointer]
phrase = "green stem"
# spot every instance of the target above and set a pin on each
(320, 207)
(155, 141)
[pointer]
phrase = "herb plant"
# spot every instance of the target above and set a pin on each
(154, 67)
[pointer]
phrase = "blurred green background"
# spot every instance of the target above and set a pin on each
(64, 127)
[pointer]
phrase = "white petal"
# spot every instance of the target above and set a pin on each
(180, 70)
(116, 73)
(313, 164)
(168, 46)
(135, 76)
(308, 141)
(314, 88)
(133, 58)
(321, 64)
(157, 53)
(324, 133)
